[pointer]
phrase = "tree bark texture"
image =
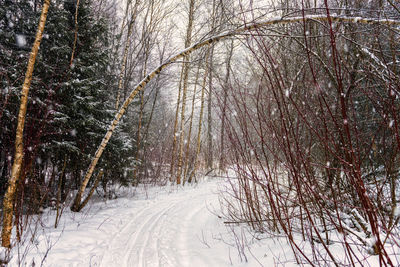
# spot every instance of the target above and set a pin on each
(9, 197)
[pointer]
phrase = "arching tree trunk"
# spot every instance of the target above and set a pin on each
(191, 49)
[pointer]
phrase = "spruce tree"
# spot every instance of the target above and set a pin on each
(69, 106)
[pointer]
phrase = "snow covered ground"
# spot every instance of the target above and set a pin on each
(162, 226)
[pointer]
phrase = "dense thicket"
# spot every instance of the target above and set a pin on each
(70, 104)
(315, 135)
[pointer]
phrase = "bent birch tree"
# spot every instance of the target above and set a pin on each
(9, 197)
(247, 28)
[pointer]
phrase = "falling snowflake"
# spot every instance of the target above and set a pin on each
(397, 211)
(20, 40)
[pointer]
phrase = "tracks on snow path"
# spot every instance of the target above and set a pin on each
(172, 230)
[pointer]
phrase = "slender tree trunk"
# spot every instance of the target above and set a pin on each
(125, 55)
(174, 142)
(59, 188)
(225, 88)
(186, 68)
(138, 134)
(146, 46)
(209, 158)
(203, 89)
(9, 197)
(190, 127)
(75, 34)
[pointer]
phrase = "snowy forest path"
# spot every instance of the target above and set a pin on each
(170, 231)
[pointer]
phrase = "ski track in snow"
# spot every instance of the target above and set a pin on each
(153, 227)
(156, 227)
(163, 232)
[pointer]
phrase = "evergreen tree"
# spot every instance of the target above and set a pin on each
(69, 106)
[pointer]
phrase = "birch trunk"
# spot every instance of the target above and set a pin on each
(9, 197)
(125, 55)
(203, 88)
(171, 171)
(96, 183)
(190, 128)
(139, 87)
(146, 46)
(138, 135)
(186, 68)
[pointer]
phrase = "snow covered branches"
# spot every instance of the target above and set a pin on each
(198, 45)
